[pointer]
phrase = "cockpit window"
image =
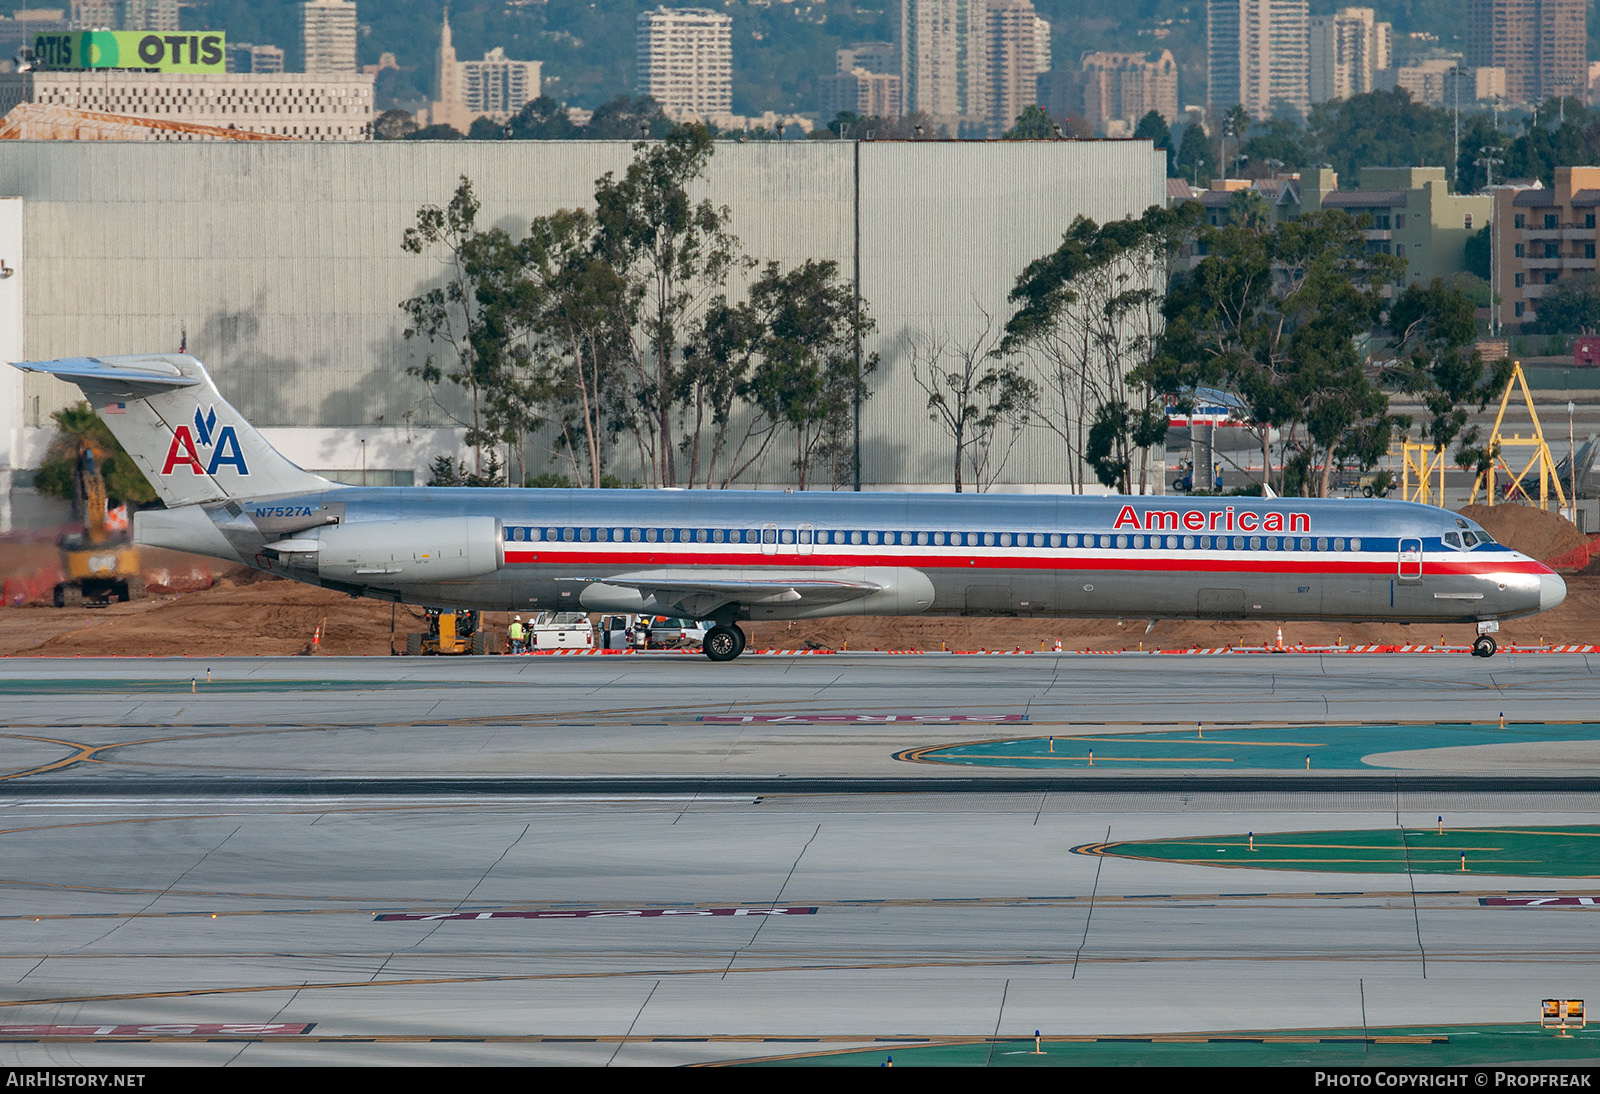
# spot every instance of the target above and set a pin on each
(1453, 539)
(1460, 523)
(1484, 537)
(1470, 539)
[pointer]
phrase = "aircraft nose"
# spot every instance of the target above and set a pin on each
(1552, 591)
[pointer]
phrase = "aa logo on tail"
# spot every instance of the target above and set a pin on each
(186, 444)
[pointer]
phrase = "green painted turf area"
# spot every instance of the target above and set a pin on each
(1420, 1046)
(1551, 851)
(1330, 748)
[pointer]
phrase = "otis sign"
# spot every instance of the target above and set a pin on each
(203, 51)
(184, 451)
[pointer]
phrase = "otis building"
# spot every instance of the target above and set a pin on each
(319, 108)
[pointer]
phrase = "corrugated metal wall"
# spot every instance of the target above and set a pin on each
(283, 261)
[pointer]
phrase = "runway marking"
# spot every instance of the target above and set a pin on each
(558, 911)
(858, 719)
(82, 752)
(588, 913)
(1564, 957)
(909, 1039)
(1558, 851)
(178, 685)
(159, 1029)
(1540, 902)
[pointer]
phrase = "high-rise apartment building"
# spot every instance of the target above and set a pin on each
(1348, 49)
(1119, 89)
(685, 58)
(497, 87)
(125, 14)
(1013, 61)
(1257, 55)
(1447, 82)
(1542, 45)
(245, 57)
(868, 94)
(866, 81)
(96, 14)
(872, 56)
(330, 35)
(1042, 52)
(150, 15)
(943, 60)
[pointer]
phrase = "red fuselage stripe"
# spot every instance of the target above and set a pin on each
(1277, 562)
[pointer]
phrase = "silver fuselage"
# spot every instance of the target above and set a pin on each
(920, 554)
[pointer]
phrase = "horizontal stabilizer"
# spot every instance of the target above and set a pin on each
(133, 376)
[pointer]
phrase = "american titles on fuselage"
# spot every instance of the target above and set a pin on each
(1224, 519)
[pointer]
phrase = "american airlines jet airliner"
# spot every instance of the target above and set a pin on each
(729, 556)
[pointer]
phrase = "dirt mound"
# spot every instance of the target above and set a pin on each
(1534, 532)
(278, 618)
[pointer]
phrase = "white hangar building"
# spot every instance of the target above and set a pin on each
(282, 262)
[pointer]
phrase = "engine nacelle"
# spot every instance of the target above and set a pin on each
(441, 549)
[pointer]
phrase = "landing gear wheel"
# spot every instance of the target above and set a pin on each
(1484, 646)
(723, 643)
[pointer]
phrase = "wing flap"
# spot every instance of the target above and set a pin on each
(752, 592)
(700, 593)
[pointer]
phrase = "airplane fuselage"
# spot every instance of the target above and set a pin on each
(909, 554)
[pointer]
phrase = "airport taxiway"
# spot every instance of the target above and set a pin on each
(294, 865)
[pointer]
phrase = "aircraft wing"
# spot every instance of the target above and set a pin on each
(697, 594)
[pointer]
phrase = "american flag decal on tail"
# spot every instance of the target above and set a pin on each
(115, 408)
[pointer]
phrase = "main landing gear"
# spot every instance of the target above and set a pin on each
(723, 642)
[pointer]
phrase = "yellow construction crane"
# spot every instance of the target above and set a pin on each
(1424, 461)
(1500, 445)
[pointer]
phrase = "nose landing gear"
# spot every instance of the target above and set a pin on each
(1483, 646)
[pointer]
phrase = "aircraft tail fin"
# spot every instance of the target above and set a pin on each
(191, 445)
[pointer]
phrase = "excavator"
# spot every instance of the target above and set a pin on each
(100, 563)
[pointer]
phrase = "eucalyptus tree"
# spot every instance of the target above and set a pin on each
(1277, 318)
(449, 318)
(1088, 317)
(674, 253)
(981, 399)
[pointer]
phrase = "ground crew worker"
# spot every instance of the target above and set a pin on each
(641, 634)
(518, 635)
